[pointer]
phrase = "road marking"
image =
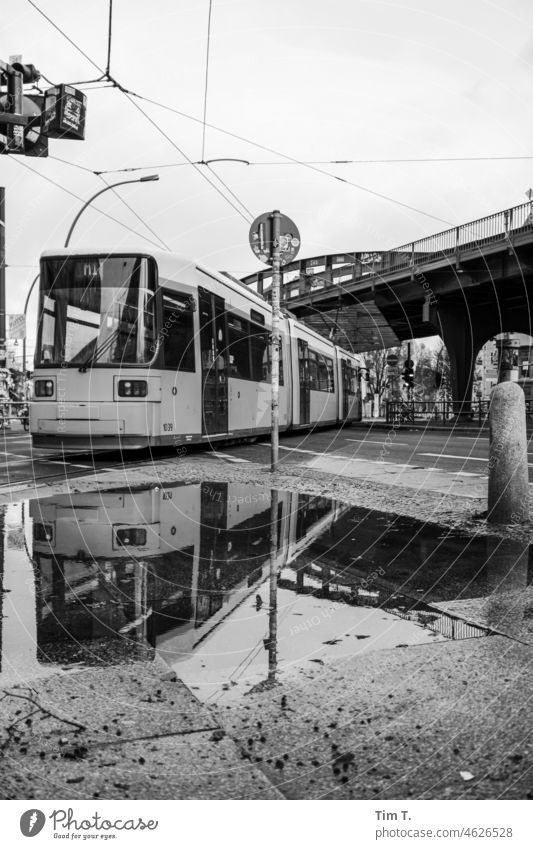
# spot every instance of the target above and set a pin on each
(454, 457)
(467, 474)
(322, 454)
(458, 457)
(375, 442)
(230, 457)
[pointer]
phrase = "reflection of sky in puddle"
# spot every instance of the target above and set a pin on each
(310, 631)
(99, 578)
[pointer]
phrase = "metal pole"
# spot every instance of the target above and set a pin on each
(2, 277)
(273, 600)
(35, 279)
(276, 281)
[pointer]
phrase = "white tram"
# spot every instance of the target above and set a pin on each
(162, 565)
(137, 350)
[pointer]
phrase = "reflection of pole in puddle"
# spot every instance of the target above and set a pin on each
(507, 567)
(273, 608)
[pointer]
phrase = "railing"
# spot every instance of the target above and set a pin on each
(12, 411)
(441, 412)
(306, 276)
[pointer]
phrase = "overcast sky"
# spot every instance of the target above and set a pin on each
(307, 79)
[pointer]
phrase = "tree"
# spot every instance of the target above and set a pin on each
(432, 373)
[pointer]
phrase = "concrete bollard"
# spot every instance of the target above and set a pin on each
(508, 471)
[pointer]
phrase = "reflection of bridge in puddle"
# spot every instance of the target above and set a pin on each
(184, 569)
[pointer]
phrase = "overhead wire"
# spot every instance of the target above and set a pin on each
(295, 161)
(107, 75)
(290, 159)
(335, 162)
(206, 75)
(20, 161)
(133, 212)
(109, 37)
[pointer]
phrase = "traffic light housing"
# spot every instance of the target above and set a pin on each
(30, 74)
(408, 374)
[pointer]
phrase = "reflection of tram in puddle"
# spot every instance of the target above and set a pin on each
(121, 572)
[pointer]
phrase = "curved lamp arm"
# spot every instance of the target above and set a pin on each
(147, 179)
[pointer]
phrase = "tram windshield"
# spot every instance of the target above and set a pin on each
(96, 310)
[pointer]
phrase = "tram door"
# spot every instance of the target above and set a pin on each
(347, 389)
(213, 347)
(305, 394)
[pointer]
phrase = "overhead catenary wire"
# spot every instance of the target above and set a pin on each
(206, 75)
(291, 159)
(136, 214)
(412, 160)
(109, 38)
(20, 161)
(248, 217)
(105, 75)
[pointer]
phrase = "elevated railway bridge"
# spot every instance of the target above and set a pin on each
(465, 284)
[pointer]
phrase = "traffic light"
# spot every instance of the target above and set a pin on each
(30, 74)
(408, 374)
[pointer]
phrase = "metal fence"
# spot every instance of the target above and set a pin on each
(442, 412)
(12, 412)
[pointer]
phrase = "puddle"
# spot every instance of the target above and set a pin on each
(184, 570)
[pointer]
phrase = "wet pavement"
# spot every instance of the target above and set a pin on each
(180, 577)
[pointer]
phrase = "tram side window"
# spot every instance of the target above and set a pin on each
(178, 331)
(313, 370)
(238, 347)
(259, 343)
(323, 379)
(331, 374)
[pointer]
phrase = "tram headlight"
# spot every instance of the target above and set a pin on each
(44, 388)
(130, 536)
(42, 532)
(132, 388)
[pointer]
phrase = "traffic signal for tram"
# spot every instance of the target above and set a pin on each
(30, 74)
(408, 374)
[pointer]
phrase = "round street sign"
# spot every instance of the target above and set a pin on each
(261, 238)
(392, 360)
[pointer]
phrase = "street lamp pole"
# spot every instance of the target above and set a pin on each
(147, 179)
(35, 279)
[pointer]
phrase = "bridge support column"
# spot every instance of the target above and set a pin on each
(463, 333)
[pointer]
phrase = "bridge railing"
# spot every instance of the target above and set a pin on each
(315, 274)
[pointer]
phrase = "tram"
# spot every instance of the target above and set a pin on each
(136, 350)
(157, 564)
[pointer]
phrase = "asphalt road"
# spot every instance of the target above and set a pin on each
(458, 455)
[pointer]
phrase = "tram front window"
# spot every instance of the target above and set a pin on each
(96, 310)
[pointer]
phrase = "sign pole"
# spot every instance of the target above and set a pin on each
(2, 277)
(275, 240)
(276, 283)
